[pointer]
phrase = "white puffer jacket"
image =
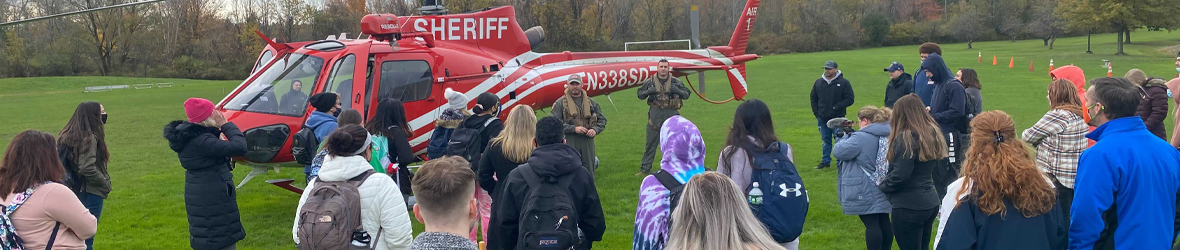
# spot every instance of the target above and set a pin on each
(382, 207)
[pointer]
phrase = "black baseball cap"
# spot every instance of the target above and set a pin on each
(894, 67)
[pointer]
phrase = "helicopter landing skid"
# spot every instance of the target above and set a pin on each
(257, 170)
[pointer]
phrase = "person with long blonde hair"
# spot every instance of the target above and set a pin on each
(713, 214)
(916, 148)
(508, 150)
(1060, 138)
(1002, 200)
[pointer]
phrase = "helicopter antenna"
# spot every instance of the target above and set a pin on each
(78, 12)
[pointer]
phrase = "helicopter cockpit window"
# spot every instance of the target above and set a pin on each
(340, 81)
(263, 60)
(282, 88)
(405, 80)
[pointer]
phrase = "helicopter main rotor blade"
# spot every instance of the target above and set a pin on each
(78, 12)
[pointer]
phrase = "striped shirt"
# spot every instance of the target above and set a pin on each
(1060, 138)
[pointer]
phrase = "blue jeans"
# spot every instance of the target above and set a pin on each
(826, 134)
(94, 204)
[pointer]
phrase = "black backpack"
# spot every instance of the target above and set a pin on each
(673, 186)
(304, 146)
(465, 141)
(72, 178)
(784, 200)
(548, 219)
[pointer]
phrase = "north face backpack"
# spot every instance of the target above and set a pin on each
(304, 146)
(674, 188)
(549, 219)
(785, 200)
(72, 178)
(331, 215)
(439, 139)
(465, 141)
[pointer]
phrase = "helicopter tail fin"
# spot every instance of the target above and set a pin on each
(737, 80)
(745, 24)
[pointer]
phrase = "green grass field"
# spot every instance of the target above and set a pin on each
(146, 208)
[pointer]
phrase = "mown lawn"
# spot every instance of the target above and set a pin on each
(146, 208)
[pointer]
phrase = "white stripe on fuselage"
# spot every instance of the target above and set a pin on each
(523, 59)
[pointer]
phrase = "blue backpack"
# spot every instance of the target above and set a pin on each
(438, 142)
(785, 200)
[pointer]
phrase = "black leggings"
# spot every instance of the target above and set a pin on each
(912, 227)
(878, 231)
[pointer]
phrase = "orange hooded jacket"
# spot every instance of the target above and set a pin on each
(1078, 78)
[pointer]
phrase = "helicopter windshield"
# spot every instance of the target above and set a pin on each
(290, 79)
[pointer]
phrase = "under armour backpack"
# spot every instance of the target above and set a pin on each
(465, 141)
(548, 219)
(785, 200)
(305, 145)
(674, 188)
(331, 215)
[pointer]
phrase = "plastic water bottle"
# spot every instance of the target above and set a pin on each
(755, 197)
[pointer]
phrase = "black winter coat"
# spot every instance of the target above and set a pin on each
(831, 100)
(909, 184)
(491, 131)
(1154, 109)
(897, 88)
(209, 196)
(549, 162)
(494, 164)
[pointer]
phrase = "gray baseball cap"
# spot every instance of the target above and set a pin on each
(831, 65)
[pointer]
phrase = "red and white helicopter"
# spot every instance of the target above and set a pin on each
(415, 58)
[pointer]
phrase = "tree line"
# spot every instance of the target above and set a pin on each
(214, 39)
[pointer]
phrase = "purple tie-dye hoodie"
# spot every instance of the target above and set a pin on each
(684, 157)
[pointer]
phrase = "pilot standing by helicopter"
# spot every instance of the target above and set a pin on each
(665, 94)
(583, 120)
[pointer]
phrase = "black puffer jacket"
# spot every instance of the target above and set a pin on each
(209, 196)
(1154, 108)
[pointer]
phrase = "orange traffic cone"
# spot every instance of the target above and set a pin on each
(993, 60)
(1110, 70)
(1051, 68)
(980, 57)
(1012, 62)
(1030, 66)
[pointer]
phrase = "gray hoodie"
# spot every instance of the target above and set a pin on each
(859, 194)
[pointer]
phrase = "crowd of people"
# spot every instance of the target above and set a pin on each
(930, 153)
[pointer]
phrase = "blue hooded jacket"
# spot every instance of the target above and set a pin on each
(922, 87)
(1136, 172)
(322, 123)
(948, 101)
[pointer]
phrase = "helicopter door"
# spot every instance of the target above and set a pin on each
(340, 81)
(408, 77)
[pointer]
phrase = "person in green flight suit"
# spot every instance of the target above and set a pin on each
(665, 94)
(583, 120)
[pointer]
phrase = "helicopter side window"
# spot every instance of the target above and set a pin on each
(405, 80)
(340, 81)
(280, 89)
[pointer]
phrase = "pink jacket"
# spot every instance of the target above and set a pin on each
(53, 203)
